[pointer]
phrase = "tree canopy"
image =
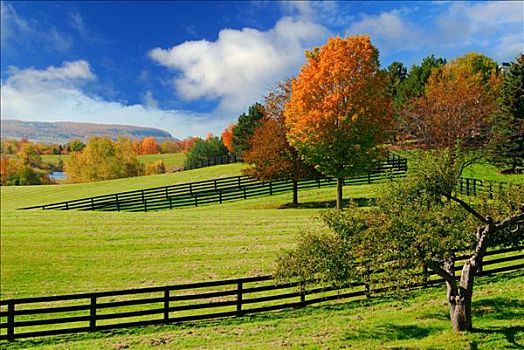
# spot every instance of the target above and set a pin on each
(204, 149)
(419, 222)
(457, 104)
(339, 112)
(270, 154)
(245, 127)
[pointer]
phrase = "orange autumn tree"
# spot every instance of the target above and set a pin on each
(227, 137)
(270, 154)
(149, 146)
(339, 109)
(458, 104)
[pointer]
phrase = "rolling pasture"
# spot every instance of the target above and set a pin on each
(61, 252)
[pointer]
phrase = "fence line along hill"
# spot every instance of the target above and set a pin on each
(216, 191)
(88, 312)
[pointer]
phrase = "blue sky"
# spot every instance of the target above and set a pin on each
(193, 67)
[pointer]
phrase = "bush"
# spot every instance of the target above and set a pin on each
(157, 167)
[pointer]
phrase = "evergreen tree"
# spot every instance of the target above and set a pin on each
(507, 142)
(245, 128)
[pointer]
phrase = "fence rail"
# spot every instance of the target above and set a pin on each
(88, 312)
(227, 159)
(475, 187)
(216, 191)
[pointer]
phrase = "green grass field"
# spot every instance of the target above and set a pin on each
(482, 171)
(57, 252)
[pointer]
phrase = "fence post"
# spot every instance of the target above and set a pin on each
(461, 185)
(67, 205)
(117, 202)
(220, 196)
(196, 199)
(369, 177)
(11, 320)
(92, 203)
(190, 188)
(467, 187)
(302, 294)
(270, 189)
(145, 205)
(92, 314)
(425, 274)
(215, 182)
(245, 196)
(170, 203)
(239, 299)
(239, 182)
(166, 304)
(167, 193)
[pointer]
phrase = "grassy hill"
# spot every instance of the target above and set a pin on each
(106, 250)
(57, 252)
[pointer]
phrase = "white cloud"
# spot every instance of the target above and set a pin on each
(494, 27)
(69, 72)
(240, 65)
(17, 31)
(56, 94)
(149, 101)
(389, 30)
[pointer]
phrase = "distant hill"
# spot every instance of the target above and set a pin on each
(63, 132)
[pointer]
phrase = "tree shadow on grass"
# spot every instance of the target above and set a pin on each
(509, 333)
(391, 331)
(499, 308)
(361, 202)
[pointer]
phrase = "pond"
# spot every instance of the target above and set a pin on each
(57, 176)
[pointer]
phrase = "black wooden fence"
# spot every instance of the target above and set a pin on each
(216, 191)
(227, 159)
(475, 187)
(75, 313)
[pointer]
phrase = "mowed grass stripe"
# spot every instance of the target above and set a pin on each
(82, 251)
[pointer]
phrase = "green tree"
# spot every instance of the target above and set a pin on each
(512, 90)
(245, 127)
(415, 83)
(202, 150)
(506, 147)
(420, 222)
(396, 74)
(75, 146)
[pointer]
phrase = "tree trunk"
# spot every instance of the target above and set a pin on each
(295, 193)
(461, 294)
(340, 185)
(460, 312)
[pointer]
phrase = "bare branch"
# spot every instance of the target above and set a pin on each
(512, 220)
(448, 277)
(467, 207)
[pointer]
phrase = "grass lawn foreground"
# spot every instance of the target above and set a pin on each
(58, 252)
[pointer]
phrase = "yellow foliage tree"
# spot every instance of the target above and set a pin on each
(340, 111)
